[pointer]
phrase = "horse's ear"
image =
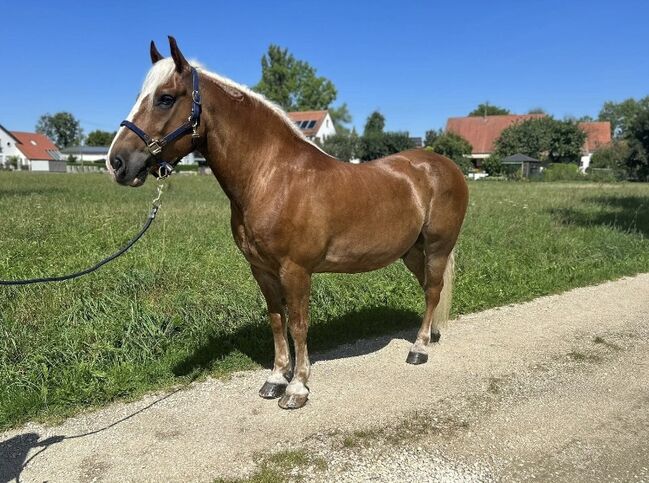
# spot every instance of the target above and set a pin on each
(179, 59)
(155, 55)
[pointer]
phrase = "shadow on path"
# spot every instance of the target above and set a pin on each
(14, 452)
(257, 343)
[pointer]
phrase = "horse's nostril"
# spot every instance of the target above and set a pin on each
(116, 162)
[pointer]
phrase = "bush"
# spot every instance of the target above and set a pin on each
(464, 164)
(609, 163)
(186, 167)
(562, 172)
(606, 175)
(492, 165)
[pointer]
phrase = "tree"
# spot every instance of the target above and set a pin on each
(622, 114)
(295, 86)
(451, 145)
(340, 116)
(486, 109)
(431, 136)
(62, 128)
(454, 147)
(613, 156)
(100, 138)
(542, 138)
(342, 145)
(638, 138)
(375, 143)
(537, 110)
(566, 142)
(375, 124)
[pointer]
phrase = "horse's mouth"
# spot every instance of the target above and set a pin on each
(140, 178)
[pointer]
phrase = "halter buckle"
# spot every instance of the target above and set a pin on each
(154, 147)
(164, 170)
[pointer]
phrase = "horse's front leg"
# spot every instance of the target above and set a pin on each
(271, 288)
(296, 284)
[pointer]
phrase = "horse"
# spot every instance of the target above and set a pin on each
(295, 210)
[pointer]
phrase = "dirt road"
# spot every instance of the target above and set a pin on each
(554, 389)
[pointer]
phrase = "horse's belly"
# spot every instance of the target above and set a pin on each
(370, 252)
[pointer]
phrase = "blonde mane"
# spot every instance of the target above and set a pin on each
(162, 70)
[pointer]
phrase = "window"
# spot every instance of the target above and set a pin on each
(297, 123)
(304, 124)
(311, 124)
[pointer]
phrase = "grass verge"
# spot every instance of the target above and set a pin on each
(183, 304)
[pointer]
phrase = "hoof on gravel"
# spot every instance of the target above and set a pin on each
(416, 358)
(294, 401)
(272, 391)
(435, 336)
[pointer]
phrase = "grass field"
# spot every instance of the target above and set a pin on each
(183, 304)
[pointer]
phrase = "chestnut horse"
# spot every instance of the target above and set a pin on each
(295, 209)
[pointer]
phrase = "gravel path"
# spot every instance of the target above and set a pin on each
(554, 389)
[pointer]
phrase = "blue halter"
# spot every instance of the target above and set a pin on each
(155, 146)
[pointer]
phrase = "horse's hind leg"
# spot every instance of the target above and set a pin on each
(433, 272)
(278, 380)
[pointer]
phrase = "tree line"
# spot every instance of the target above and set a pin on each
(295, 85)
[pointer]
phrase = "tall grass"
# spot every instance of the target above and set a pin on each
(183, 304)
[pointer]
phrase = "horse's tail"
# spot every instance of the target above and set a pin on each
(442, 312)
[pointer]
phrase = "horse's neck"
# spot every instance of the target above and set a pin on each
(245, 143)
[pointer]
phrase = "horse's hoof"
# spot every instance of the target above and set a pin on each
(293, 401)
(272, 390)
(435, 336)
(416, 358)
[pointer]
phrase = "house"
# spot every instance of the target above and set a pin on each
(85, 153)
(598, 134)
(32, 151)
(483, 131)
(313, 124)
(8, 148)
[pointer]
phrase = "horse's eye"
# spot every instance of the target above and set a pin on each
(166, 101)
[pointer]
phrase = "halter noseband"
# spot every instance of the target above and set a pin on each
(155, 146)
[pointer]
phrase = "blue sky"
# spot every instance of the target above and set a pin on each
(417, 62)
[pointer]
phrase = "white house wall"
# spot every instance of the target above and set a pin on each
(326, 128)
(9, 148)
(86, 158)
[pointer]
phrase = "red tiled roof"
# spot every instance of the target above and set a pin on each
(598, 134)
(317, 116)
(482, 131)
(34, 145)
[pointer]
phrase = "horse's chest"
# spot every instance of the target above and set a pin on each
(248, 243)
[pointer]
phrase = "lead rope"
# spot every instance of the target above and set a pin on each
(155, 206)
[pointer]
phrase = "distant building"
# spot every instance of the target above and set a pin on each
(417, 142)
(313, 124)
(85, 153)
(33, 151)
(598, 134)
(483, 131)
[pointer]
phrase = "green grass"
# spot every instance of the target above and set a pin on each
(182, 303)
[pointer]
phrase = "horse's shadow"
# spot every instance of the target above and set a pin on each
(373, 325)
(333, 339)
